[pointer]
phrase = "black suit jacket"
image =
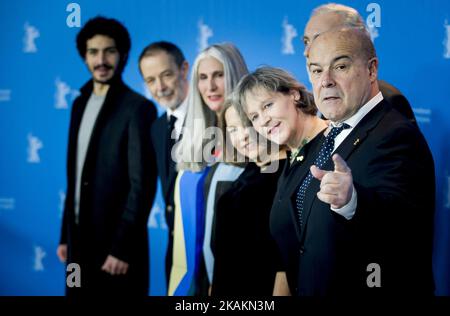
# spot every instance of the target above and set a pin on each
(168, 174)
(166, 166)
(118, 185)
(398, 101)
(393, 174)
(246, 257)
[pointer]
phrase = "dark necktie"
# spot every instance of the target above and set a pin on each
(170, 140)
(324, 154)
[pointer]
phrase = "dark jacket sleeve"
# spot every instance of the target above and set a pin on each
(142, 182)
(68, 203)
(390, 180)
(395, 210)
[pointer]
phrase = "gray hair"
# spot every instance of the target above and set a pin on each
(199, 116)
(350, 17)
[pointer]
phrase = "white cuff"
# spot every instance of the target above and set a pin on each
(349, 209)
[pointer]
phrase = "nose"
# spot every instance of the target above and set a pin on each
(244, 136)
(212, 84)
(327, 79)
(265, 119)
(244, 139)
(160, 85)
(102, 57)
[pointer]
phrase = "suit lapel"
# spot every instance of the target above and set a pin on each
(345, 149)
(78, 109)
(297, 172)
(160, 139)
(165, 161)
(111, 101)
(361, 131)
(172, 168)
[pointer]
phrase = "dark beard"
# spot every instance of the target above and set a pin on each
(114, 78)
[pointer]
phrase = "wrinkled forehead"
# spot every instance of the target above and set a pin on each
(332, 44)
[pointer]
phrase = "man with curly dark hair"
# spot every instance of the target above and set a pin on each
(111, 171)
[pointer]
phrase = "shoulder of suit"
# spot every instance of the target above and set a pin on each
(159, 125)
(136, 98)
(137, 103)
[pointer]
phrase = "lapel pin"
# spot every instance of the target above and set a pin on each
(356, 142)
(300, 158)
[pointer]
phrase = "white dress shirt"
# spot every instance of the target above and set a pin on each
(180, 114)
(349, 209)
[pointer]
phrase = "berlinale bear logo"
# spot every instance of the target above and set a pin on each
(31, 33)
(39, 255)
(205, 32)
(289, 33)
(447, 40)
(34, 144)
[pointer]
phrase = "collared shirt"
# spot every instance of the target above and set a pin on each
(349, 209)
(180, 114)
(355, 119)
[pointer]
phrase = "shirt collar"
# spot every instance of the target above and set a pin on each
(179, 112)
(359, 115)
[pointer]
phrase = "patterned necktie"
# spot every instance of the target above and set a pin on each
(170, 140)
(324, 155)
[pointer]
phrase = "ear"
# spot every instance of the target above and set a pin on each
(185, 69)
(295, 94)
(373, 69)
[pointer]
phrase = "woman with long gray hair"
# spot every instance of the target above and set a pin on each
(216, 71)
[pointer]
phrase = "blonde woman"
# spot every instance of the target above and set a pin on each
(281, 109)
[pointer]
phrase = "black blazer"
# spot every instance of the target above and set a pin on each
(398, 101)
(168, 174)
(246, 257)
(118, 187)
(166, 166)
(393, 174)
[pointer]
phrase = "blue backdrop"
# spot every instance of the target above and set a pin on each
(41, 73)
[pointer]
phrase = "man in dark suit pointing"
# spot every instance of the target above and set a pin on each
(358, 218)
(334, 16)
(376, 194)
